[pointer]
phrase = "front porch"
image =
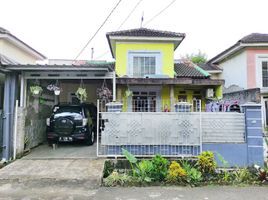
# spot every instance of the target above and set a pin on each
(161, 95)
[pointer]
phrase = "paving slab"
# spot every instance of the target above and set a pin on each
(53, 171)
(183, 193)
(63, 151)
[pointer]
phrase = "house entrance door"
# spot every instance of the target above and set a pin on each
(144, 102)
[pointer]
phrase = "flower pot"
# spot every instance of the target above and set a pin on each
(57, 92)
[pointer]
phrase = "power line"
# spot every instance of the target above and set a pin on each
(131, 12)
(159, 13)
(97, 30)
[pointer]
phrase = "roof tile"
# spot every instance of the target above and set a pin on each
(187, 69)
(144, 32)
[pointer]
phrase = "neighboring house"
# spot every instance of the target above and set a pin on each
(145, 67)
(16, 50)
(245, 64)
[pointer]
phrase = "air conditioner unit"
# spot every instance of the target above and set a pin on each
(209, 93)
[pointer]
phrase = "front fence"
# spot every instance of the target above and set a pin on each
(167, 133)
(150, 133)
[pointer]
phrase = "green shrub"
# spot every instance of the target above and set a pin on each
(160, 168)
(116, 178)
(131, 159)
(224, 176)
(206, 163)
(176, 174)
(194, 177)
(143, 171)
(242, 176)
(108, 168)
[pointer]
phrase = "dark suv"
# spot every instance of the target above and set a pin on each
(72, 123)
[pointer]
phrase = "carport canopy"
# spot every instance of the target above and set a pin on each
(90, 71)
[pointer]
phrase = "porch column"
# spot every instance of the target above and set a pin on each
(119, 94)
(171, 90)
(218, 92)
(23, 86)
(10, 96)
(114, 86)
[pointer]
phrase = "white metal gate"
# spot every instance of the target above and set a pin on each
(171, 134)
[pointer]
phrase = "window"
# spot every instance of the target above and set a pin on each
(143, 66)
(144, 102)
(182, 98)
(264, 74)
(145, 63)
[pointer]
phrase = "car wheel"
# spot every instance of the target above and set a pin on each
(91, 138)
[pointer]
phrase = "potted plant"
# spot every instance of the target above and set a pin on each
(55, 88)
(128, 93)
(81, 94)
(57, 91)
(104, 92)
(36, 90)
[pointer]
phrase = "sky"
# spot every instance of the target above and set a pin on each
(61, 28)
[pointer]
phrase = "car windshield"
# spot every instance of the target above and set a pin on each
(67, 111)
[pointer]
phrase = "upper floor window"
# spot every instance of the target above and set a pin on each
(264, 74)
(143, 63)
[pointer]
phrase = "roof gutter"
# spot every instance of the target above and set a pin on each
(238, 46)
(45, 68)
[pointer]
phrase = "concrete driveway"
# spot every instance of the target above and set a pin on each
(63, 151)
(68, 170)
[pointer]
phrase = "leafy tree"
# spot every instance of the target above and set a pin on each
(197, 58)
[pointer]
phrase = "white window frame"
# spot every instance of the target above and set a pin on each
(144, 53)
(259, 59)
(156, 89)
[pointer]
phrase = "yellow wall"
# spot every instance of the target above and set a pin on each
(218, 92)
(165, 97)
(122, 89)
(11, 51)
(167, 50)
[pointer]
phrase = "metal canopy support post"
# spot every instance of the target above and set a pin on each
(22, 90)
(114, 86)
(10, 94)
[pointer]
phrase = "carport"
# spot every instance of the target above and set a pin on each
(31, 112)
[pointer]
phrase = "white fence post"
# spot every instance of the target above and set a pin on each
(98, 125)
(15, 130)
(200, 125)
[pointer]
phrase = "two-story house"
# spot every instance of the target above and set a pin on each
(245, 64)
(146, 69)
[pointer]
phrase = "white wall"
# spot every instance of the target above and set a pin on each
(15, 53)
(235, 70)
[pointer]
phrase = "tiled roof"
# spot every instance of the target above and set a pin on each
(184, 69)
(249, 39)
(255, 38)
(209, 67)
(144, 32)
(6, 32)
(2, 30)
(46, 67)
(4, 60)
